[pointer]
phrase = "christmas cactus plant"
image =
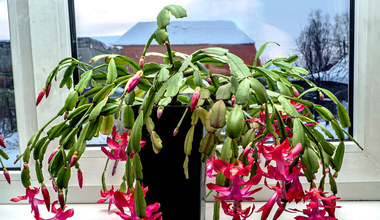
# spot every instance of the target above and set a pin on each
(257, 128)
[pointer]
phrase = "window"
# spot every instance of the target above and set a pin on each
(8, 125)
(42, 39)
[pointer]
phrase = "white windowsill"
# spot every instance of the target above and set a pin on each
(369, 210)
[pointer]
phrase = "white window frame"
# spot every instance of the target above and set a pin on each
(40, 37)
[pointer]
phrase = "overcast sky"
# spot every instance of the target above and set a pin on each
(262, 20)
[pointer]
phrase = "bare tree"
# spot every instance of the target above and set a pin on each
(314, 46)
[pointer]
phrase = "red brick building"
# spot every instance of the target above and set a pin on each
(187, 37)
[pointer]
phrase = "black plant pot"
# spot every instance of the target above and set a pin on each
(180, 198)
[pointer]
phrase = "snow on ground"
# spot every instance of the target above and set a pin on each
(12, 150)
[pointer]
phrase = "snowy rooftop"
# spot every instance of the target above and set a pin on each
(188, 33)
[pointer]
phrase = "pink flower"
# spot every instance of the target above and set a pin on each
(59, 213)
(119, 148)
(194, 99)
(275, 198)
(150, 210)
(30, 196)
(238, 191)
(6, 175)
(230, 171)
(236, 214)
(210, 167)
(40, 96)
(315, 209)
(295, 190)
(118, 198)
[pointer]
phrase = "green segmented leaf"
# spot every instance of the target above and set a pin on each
(174, 83)
(331, 95)
(284, 90)
(129, 172)
(161, 36)
(338, 157)
(106, 125)
(288, 107)
(123, 60)
(135, 138)
(40, 176)
(298, 133)
(224, 92)
(150, 68)
(333, 187)
(338, 130)
(267, 73)
(140, 203)
(344, 118)
(97, 109)
(237, 66)
(163, 75)
(3, 154)
(71, 101)
(25, 177)
(112, 71)
(163, 18)
(84, 79)
(242, 94)
(324, 112)
(102, 93)
(137, 166)
(260, 91)
(261, 50)
(215, 50)
(37, 149)
(310, 160)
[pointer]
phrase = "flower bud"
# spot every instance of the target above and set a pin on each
(48, 90)
(61, 199)
(25, 166)
(233, 100)
(166, 43)
(91, 61)
(6, 175)
(132, 83)
(142, 61)
(194, 99)
(295, 91)
(65, 115)
(74, 159)
(53, 153)
(80, 178)
(209, 80)
(45, 194)
(2, 143)
(40, 96)
(321, 96)
(160, 110)
(54, 185)
(175, 132)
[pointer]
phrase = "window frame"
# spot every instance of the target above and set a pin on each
(50, 33)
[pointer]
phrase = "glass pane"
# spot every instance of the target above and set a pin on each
(318, 31)
(8, 126)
